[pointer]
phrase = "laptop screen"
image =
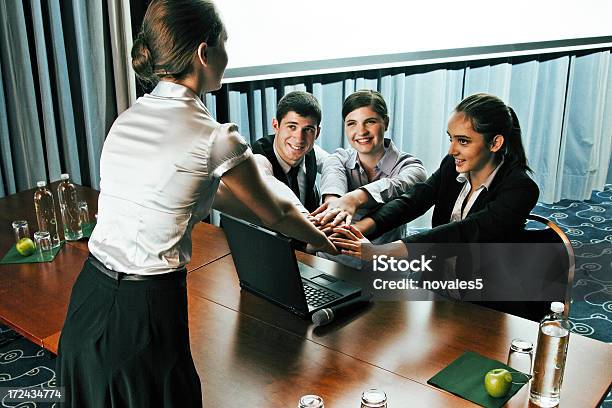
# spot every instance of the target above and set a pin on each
(265, 262)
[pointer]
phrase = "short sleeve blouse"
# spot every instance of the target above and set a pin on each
(160, 168)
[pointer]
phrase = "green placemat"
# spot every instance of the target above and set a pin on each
(465, 377)
(14, 257)
(88, 229)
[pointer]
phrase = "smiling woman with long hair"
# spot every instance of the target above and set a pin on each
(480, 193)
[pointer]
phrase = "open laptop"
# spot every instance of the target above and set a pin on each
(266, 265)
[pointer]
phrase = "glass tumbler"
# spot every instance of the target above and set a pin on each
(83, 212)
(373, 398)
(20, 228)
(311, 401)
(44, 245)
(520, 356)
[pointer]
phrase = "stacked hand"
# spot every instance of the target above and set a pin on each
(334, 212)
(325, 247)
(350, 241)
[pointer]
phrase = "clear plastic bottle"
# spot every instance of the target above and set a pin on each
(69, 207)
(551, 352)
(45, 212)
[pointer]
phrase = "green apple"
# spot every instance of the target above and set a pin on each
(25, 246)
(497, 382)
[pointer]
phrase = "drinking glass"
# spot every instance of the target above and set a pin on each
(311, 401)
(43, 245)
(373, 398)
(520, 356)
(20, 228)
(83, 212)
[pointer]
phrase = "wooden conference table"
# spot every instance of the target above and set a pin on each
(251, 353)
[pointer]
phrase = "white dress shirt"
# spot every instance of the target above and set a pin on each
(160, 167)
(320, 154)
(396, 172)
(458, 213)
(281, 188)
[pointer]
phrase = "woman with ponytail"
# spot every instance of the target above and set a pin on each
(480, 193)
(125, 341)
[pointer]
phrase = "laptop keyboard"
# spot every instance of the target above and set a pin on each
(316, 297)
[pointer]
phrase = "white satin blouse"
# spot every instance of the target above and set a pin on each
(160, 168)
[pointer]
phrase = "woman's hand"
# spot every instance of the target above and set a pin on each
(324, 212)
(350, 241)
(340, 210)
(331, 214)
(326, 246)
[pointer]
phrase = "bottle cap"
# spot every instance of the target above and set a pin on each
(557, 307)
(41, 183)
(65, 176)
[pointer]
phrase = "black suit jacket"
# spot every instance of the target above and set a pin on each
(498, 214)
(265, 146)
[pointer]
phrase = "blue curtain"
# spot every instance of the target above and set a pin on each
(56, 101)
(22, 157)
(564, 103)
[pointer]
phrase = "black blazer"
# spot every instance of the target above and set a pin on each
(265, 146)
(498, 214)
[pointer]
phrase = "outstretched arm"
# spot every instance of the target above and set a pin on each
(245, 182)
(227, 202)
(350, 241)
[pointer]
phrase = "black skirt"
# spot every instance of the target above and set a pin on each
(126, 343)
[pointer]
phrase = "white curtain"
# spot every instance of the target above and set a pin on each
(587, 128)
(536, 91)
(564, 103)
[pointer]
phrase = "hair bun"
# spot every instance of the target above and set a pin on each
(142, 59)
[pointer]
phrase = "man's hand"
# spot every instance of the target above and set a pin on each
(351, 242)
(339, 210)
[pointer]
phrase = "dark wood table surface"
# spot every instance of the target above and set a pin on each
(34, 297)
(415, 339)
(249, 351)
(246, 362)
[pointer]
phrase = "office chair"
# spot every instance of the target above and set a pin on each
(551, 233)
(545, 271)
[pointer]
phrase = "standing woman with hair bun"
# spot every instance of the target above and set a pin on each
(480, 193)
(125, 341)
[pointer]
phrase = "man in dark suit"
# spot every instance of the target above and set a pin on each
(291, 155)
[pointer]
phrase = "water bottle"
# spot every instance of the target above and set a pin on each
(551, 351)
(45, 212)
(69, 208)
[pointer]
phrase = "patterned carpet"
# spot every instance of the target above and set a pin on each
(24, 365)
(588, 225)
